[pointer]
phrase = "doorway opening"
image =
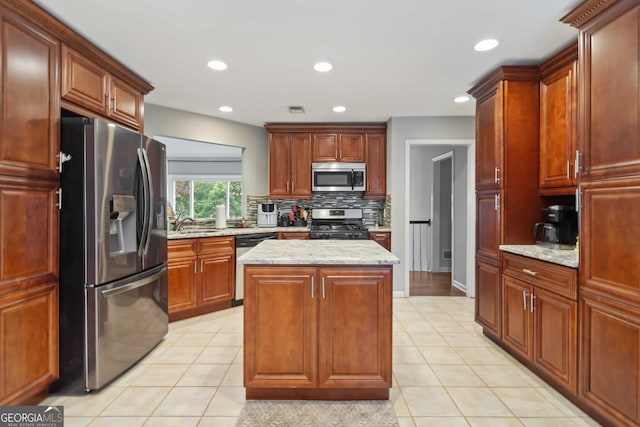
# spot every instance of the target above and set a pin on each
(441, 212)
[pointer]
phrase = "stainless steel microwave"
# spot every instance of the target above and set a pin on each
(337, 176)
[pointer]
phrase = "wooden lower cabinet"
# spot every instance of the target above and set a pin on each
(488, 296)
(538, 326)
(29, 344)
(383, 238)
(292, 235)
(610, 359)
(317, 332)
(201, 274)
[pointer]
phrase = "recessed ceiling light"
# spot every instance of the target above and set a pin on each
(217, 65)
(461, 99)
(339, 109)
(323, 67)
(225, 109)
(484, 45)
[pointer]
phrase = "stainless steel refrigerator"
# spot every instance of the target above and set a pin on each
(113, 251)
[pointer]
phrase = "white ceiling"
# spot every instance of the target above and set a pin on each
(390, 58)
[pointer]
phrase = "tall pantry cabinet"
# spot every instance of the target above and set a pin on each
(507, 202)
(609, 185)
(31, 104)
(29, 216)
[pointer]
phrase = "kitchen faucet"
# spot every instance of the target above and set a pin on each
(178, 223)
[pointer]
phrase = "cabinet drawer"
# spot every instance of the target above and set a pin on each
(182, 248)
(552, 277)
(216, 245)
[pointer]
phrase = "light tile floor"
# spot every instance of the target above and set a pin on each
(446, 373)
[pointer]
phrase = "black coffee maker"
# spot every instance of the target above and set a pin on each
(559, 229)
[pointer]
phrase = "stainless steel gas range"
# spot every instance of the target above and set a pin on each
(345, 224)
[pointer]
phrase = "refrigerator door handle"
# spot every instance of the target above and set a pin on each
(149, 200)
(126, 288)
(145, 199)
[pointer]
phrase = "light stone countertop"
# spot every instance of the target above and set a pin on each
(194, 232)
(314, 252)
(568, 257)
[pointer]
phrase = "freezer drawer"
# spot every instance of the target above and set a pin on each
(124, 321)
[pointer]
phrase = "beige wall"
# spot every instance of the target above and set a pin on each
(163, 121)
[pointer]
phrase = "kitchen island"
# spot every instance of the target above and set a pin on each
(317, 320)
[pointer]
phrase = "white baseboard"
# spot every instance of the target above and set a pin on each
(459, 285)
(398, 294)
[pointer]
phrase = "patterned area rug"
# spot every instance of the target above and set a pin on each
(317, 413)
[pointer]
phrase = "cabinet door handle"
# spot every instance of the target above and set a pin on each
(533, 301)
(340, 157)
(576, 168)
(530, 272)
(201, 266)
(323, 291)
(195, 267)
(568, 169)
(524, 299)
(497, 201)
(293, 186)
(496, 175)
(313, 287)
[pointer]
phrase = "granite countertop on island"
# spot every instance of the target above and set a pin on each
(317, 252)
(568, 257)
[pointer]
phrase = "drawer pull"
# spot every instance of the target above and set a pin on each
(530, 272)
(313, 287)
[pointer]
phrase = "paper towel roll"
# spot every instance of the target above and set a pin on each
(221, 217)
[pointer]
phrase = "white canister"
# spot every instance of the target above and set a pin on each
(221, 217)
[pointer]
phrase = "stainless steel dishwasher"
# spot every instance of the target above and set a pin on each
(243, 244)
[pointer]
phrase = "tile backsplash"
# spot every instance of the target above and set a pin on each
(374, 211)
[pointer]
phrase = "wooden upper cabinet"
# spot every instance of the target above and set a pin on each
(610, 83)
(293, 148)
(338, 147)
(289, 165)
(489, 140)
(85, 83)
(126, 103)
(376, 164)
(279, 168)
(29, 137)
(300, 161)
(558, 122)
(351, 147)
(507, 128)
(325, 147)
